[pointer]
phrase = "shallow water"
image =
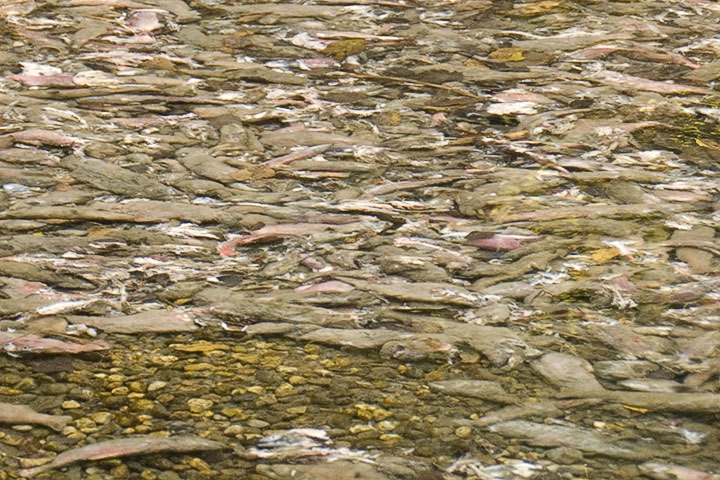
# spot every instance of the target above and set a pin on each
(466, 239)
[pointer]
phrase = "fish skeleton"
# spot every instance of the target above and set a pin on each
(21, 414)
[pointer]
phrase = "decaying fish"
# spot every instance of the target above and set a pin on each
(334, 286)
(573, 377)
(497, 242)
(157, 321)
(124, 447)
(21, 414)
(38, 136)
(299, 445)
(59, 80)
(511, 469)
(629, 82)
(14, 342)
(663, 471)
(271, 232)
(297, 437)
(64, 306)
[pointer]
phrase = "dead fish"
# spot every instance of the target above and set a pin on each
(329, 286)
(398, 186)
(662, 471)
(147, 321)
(124, 447)
(636, 52)
(298, 155)
(652, 385)
(61, 80)
(518, 95)
(21, 414)
(300, 445)
(37, 136)
(227, 249)
(500, 243)
(296, 437)
(420, 347)
(64, 306)
(621, 80)
(144, 21)
(270, 232)
(28, 343)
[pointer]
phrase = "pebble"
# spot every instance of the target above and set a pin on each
(202, 347)
(26, 385)
(148, 475)
(120, 391)
(296, 380)
(234, 430)
(143, 405)
(463, 432)
(164, 359)
(355, 429)
(32, 462)
(387, 425)
(85, 425)
(157, 385)
(233, 412)
(168, 475)
(101, 417)
(55, 389)
(286, 369)
(284, 390)
(371, 412)
(70, 405)
(121, 471)
(256, 423)
(73, 433)
(266, 400)
(137, 387)
(116, 378)
(199, 464)
(165, 398)
(199, 405)
(199, 367)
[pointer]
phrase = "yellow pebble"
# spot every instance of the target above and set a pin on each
(296, 380)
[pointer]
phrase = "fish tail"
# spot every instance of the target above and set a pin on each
(58, 422)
